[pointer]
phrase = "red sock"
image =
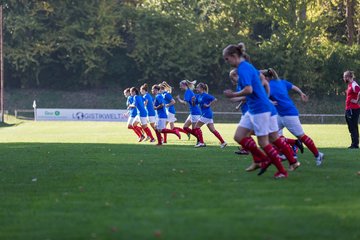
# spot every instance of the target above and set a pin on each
(148, 133)
(217, 134)
(189, 130)
(249, 144)
(136, 132)
(165, 138)
(172, 131)
(199, 135)
(285, 149)
(158, 136)
(290, 141)
(274, 157)
(180, 130)
(309, 143)
(139, 130)
(256, 159)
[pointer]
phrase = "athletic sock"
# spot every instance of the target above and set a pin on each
(139, 130)
(249, 144)
(148, 133)
(165, 138)
(199, 135)
(136, 130)
(217, 134)
(290, 141)
(165, 130)
(158, 136)
(274, 157)
(180, 130)
(285, 149)
(189, 130)
(309, 143)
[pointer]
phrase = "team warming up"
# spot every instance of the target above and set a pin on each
(262, 97)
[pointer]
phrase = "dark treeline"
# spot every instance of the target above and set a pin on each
(73, 44)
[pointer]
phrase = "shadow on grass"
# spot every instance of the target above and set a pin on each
(4, 124)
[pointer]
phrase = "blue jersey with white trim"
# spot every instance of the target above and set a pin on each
(161, 112)
(202, 99)
(150, 105)
(133, 111)
(167, 98)
(279, 92)
(194, 109)
(257, 101)
(139, 103)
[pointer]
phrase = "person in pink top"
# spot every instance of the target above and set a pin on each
(352, 107)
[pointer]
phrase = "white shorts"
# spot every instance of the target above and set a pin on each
(292, 123)
(171, 117)
(131, 120)
(151, 119)
(161, 123)
(193, 118)
(245, 121)
(273, 124)
(143, 120)
(206, 120)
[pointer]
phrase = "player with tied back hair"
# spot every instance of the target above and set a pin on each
(149, 105)
(195, 112)
(139, 104)
(166, 90)
(258, 117)
(205, 100)
(288, 115)
(159, 106)
(133, 118)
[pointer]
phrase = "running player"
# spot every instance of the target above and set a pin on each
(195, 112)
(148, 102)
(159, 106)
(288, 114)
(133, 119)
(139, 104)
(259, 114)
(205, 100)
(166, 90)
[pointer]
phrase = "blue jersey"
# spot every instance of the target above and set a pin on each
(139, 103)
(161, 112)
(150, 105)
(167, 97)
(257, 101)
(279, 93)
(244, 107)
(194, 109)
(202, 99)
(133, 111)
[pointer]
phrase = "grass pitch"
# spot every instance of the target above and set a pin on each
(67, 180)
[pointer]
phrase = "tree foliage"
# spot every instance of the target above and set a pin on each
(103, 43)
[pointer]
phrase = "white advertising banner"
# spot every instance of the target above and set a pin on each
(99, 115)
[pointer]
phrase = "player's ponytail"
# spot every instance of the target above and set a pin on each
(204, 87)
(144, 87)
(189, 84)
(238, 50)
(156, 86)
(127, 90)
(164, 85)
(134, 89)
(273, 73)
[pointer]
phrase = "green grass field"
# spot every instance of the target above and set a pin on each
(66, 180)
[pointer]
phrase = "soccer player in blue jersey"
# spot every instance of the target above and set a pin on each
(166, 90)
(139, 104)
(148, 102)
(195, 112)
(132, 119)
(287, 111)
(159, 106)
(205, 100)
(258, 116)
